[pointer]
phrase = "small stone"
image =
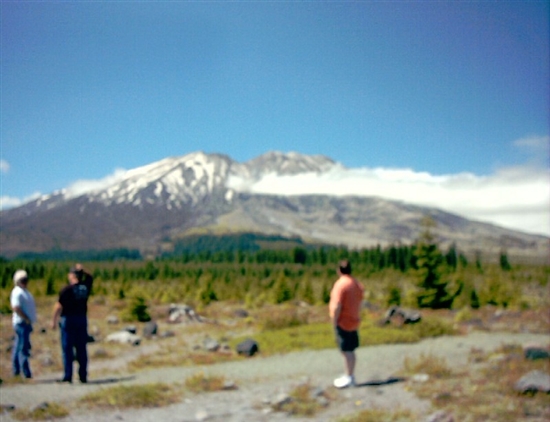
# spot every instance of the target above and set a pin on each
(441, 416)
(132, 329)
(323, 401)
(229, 385)
(420, 378)
(201, 415)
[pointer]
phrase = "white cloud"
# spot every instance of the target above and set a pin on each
(517, 198)
(75, 189)
(4, 166)
(535, 144)
(7, 202)
(80, 187)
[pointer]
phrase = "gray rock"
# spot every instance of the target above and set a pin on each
(401, 316)
(7, 407)
(441, 416)
(280, 400)
(211, 345)
(179, 313)
(123, 337)
(201, 415)
(132, 329)
(248, 347)
(240, 313)
(534, 352)
(533, 382)
(229, 385)
(323, 401)
(150, 329)
(42, 406)
(112, 319)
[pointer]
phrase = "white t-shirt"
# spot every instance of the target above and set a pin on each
(22, 298)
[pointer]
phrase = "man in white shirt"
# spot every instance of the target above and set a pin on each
(24, 316)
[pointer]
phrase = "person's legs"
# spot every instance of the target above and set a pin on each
(21, 350)
(67, 349)
(347, 341)
(350, 362)
(25, 352)
(81, 340)
(17, 346)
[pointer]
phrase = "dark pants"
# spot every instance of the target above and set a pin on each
(74, 337)
(22, 350)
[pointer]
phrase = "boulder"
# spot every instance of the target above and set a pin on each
(150, 329)
(533, 382)
(401, 316)
(534, 352)
(179, 313)
(123, 337)
(248, 347)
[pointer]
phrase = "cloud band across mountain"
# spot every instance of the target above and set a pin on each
(517, 198)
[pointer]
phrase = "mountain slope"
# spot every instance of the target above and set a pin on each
(149, 207)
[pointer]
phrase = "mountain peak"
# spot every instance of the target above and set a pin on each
(291, 163)
(149, 207)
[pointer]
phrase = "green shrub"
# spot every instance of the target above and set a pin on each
(136, 310)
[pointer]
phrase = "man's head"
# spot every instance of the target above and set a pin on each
(74, 275)
(20, 278)
(344, 267)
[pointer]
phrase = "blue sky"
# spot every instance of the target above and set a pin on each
(434, 90)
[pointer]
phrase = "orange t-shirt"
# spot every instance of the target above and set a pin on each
(349, 293)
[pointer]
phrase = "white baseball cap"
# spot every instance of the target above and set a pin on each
(20, 275)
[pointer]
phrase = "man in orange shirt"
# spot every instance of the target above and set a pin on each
(346, 298)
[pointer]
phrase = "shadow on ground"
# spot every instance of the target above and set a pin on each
(93, 382)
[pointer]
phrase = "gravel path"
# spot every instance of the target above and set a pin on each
(259, 378)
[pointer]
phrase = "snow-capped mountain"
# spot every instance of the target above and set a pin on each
(151, 206)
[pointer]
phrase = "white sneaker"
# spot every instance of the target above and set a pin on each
(344, 381)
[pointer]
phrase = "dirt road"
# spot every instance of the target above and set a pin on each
(261, 378)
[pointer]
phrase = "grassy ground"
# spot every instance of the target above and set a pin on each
(278, 328)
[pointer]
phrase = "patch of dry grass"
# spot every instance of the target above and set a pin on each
(133, 396)
(381, 415)
(304, 400)
(44, 412)
(201, 382)
(486, 390)
(434, 366)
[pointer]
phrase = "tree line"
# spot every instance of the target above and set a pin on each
(420, 275)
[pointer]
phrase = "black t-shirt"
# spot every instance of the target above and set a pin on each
(74, 299)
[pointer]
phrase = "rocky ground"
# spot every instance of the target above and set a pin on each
(261, 380)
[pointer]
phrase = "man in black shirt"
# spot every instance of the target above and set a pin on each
(70, 312)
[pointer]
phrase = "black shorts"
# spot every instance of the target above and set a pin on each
(347, 341)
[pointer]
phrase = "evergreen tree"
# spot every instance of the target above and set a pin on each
(282, 292)
(504, 263)
(429, 261)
